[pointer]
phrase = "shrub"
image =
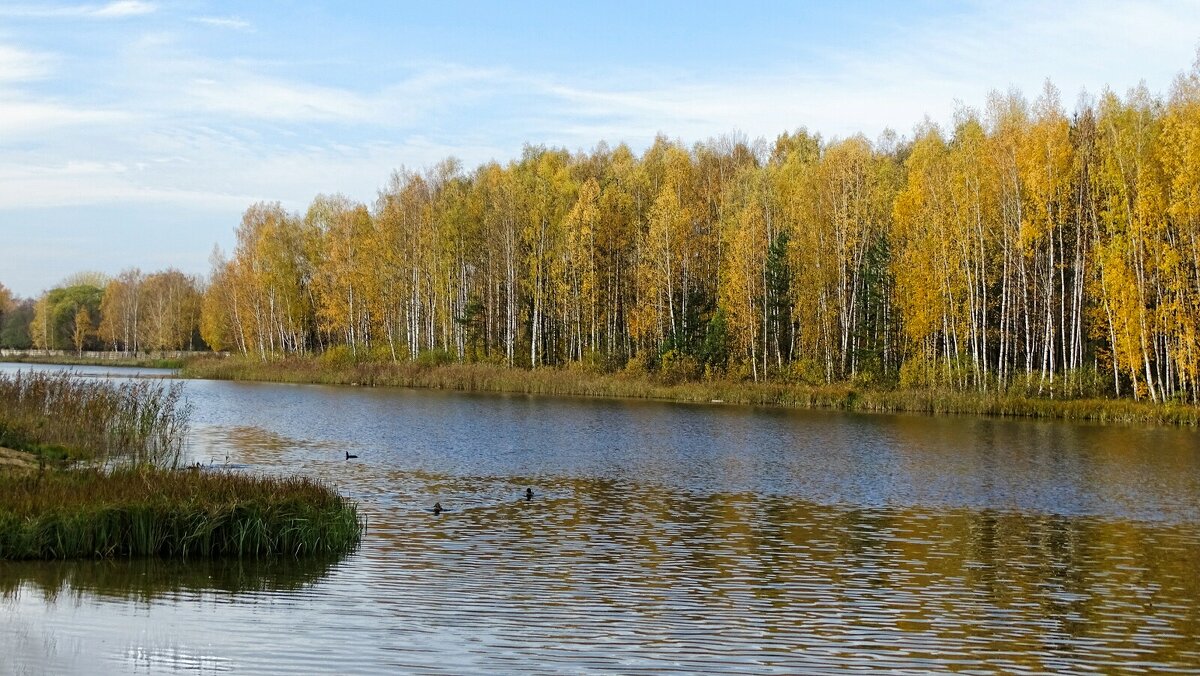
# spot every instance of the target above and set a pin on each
(436, 357)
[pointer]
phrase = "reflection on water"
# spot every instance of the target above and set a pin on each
(625, 576)
(661, 538)
(630, 577)
(142, 615)
(149, 579)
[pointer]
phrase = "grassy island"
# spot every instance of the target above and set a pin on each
(89, 468)
(647, 385)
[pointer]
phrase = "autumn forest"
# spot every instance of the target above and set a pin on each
(1025, 247)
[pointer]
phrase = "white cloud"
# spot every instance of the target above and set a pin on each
(923, 70)
(17, 65)
(83, 182)
(25, 120)
(123, 8)
(113, 10)
(251, 96)
(230, 22)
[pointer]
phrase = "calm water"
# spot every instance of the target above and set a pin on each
(662, 538)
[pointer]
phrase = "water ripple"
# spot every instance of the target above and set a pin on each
(661, 539)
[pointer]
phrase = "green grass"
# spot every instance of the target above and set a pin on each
(182, 513)
(580, 382)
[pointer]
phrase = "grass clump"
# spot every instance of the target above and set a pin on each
(188, 513)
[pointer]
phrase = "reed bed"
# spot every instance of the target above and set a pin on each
(181, 514)
(59, 416)
(107, 485)
(580, 382)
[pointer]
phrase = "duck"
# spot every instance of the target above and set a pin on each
(528, 494)
(437, 508)
(350, 456)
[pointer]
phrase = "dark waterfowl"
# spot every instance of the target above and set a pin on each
(437, 508)
(528, 494)
(350, 456)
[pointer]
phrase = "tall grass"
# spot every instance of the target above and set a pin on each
(59, 415)
(189, 513)
(581, 382)
(123, 497)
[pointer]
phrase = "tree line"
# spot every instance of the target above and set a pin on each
(1023, 247)
(132, 312)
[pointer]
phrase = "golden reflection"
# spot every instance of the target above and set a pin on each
(1030, 588)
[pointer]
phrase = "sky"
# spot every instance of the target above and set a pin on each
(134, 133)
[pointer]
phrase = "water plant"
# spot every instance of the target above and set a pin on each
(61, 416)
(185, 513)
(107, 482)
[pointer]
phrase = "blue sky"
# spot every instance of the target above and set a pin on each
(135, 132)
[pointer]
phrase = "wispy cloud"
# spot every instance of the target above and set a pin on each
(19, 65)
(24, 120)
(244, 95)
(229, 22)
(924, 70)
(239, 91)
(117, 9)
(122, 8)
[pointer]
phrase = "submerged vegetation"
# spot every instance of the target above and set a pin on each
(106, 483)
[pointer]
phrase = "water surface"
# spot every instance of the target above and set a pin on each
(661, 538)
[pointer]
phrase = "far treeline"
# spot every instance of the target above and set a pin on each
(132, 312)
(1026, 249)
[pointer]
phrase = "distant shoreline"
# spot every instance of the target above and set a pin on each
(62, 358)
(581, 383)
(578, 382)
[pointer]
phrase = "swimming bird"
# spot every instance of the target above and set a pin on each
(437, 508)
(528, 494)
(350, 456)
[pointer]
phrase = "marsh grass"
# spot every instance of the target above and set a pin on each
(181, 514)
(106, 484)
(582, 382)
(58, 417)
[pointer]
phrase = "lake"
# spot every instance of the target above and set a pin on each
(661, 538)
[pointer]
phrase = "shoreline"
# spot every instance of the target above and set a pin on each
(567, 382)
(119, 361)
(580, 383)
